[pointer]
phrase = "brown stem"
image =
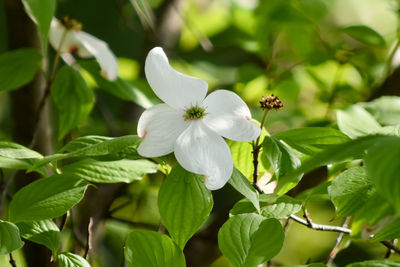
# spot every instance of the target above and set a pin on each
(88, 247)
(320, 227)
(12, 261)
(391, 246)
(335, 250)
(256, 151)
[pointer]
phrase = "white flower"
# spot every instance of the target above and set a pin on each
(75, 41)
(191, 124)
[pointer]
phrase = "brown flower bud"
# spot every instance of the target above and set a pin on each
(71, 24)
(270, 102)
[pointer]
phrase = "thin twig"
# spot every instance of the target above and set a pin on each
(89, 240)
(320, 227)
(12, 261)
(390, 58)
(391, 246)
(256, 151)
(390, 251)
(335, 248)
(64, 221)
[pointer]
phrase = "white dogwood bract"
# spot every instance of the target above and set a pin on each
(84, 45)
(191, 124)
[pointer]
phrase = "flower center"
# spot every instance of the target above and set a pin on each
(195, 113)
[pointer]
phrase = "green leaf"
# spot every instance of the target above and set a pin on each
(338, 153)
(18, 67)
(119, 88)
(365, 35)
(386, 109)
(16, 151)
(43, 232)
(383, 168)
(67, 259)
(73, 98)
(375, 263)
(309, 140)
(250, 239)
(350, 191)
(309, 265)
(272, 206)
(144, 12)
(184, 204)
(41, 12)
(356, 121)
(389, 232)
(147, 248)
(242, 156)
(46, 198)
(9, 238)
(243, 186)
(91, 146)
(119, 171)
(283, 161)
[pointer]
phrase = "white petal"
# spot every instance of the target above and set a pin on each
(160, 126)
(102, 53)
(70, 42)
(200, 150)
(229, 116)
(172, 87)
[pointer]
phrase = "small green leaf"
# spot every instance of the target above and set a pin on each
(249, 239)
(365, 35)
(18, 67)
(41, 12)
(46, 198)
(120, 171)
(375, 263)
(386, 109)
(16, 151)
(147, 248)
(243, 186)
(67, 259)
(43, 232)
(119, 88)
(283, 161)
(91, 146)
(272, 206)
(350, 191)
(356, 121)
(389, 232)
(309, 140)
(184, 204)
(383, 168)
(73, 98)
(9, 238)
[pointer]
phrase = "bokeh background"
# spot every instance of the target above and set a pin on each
(316, 55)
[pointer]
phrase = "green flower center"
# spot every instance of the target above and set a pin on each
(194, 113)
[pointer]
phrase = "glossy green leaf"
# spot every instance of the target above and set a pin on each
(250, 239)
(242, 157)
(356, 121)
(46, 198)
(283, 161)
(91, 146)
(350, 191)
(119, 88)
(243, 186)
(389, 232)
(365, 35)
(375, 263)
(147, 248)
(18, 67)
(16, 151)
(386, 109)
(73, 98)
(184, 204)
(120, 171)
(272, 206)
(41, 12)
(309, 140)
(383, 168)
(339, 152)
(43, 232)
(9, 238)
(67, 259)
